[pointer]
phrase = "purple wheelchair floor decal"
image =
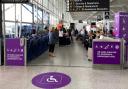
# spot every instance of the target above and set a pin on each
(51, 80)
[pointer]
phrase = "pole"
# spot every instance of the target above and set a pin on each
(1, 38)
(1, 20)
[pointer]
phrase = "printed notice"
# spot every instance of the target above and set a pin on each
(106, 52)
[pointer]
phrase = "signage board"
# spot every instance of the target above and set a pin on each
(14, 1)
(106, 52)
(106, 15)
(15, 52)
(87, 5)
(121, 25)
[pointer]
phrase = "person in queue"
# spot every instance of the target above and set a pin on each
(91, 37)
(33, 32)
(85, 39)
(52, 41)
(70, 34)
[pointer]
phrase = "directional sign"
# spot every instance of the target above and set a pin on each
(87, 5)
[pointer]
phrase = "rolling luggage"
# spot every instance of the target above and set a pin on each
(68, 41)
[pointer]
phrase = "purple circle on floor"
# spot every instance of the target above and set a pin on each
(51, 80)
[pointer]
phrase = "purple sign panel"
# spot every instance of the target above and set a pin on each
(51, 80)
(14, 52)
(106, 52)
(121, 25)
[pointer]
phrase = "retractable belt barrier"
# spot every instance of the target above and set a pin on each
(36, 46)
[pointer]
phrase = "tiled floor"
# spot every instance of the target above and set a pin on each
(82, 78)
(70, 60)
(73, 55)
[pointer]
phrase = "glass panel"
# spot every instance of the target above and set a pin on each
(18, 12)
(26, 30)
(26, 13)
(2, 7)
(9, 29)
(51, 20)
(35, 14)
(10, 8)
(41, 2)
(45, 3)
(40, 19)
(45, 17)
(40, 16)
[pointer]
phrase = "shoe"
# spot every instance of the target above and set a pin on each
(89, 60)
(52, 55)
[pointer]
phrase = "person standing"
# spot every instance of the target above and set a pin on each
(61, 37)
(90, 40)
(52, 41)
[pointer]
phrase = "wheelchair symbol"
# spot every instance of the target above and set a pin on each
(52, 80)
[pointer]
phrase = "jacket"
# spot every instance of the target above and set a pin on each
(52, 38)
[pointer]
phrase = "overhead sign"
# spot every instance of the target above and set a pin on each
(51, 80)
(14, 1)
(87, 5)
(106, 15)
(106, 52)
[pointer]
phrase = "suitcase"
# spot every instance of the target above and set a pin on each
(68, 41)
(90, 53)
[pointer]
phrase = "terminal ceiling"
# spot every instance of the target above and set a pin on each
(115, 6)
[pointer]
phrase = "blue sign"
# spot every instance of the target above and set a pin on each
(51, 80)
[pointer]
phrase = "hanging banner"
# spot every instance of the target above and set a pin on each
(106, 52)
(87, 5)
(15, 52)
(15, 1)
